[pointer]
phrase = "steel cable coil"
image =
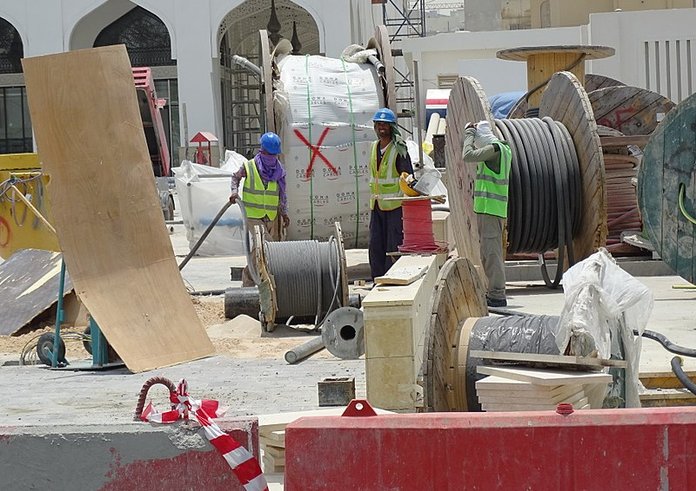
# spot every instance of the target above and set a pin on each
(545, 195)
(307, 277)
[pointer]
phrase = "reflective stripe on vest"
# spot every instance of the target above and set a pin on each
(385, 182)
(491, 188)
(259, 201)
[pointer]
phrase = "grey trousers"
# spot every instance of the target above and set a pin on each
(490, 229)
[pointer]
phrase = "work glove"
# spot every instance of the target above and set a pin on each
(234, 197)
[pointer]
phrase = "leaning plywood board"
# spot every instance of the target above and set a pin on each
(28, 287)
(546, 377)
(105, 207)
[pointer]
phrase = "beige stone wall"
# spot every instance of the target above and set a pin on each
(565, 13)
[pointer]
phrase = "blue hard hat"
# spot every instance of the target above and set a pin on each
(384, 115)
(270, 142)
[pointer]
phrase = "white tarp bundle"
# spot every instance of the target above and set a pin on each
(324, 109)
(202, 192)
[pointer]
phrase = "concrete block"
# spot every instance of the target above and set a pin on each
(120, 456)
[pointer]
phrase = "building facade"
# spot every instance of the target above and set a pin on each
(189, 46)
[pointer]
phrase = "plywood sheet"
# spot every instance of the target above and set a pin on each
(105, 206)
(28, 287)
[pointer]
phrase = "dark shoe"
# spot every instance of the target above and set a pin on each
(496, 302)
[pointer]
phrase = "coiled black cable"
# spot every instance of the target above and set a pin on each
(545, 194)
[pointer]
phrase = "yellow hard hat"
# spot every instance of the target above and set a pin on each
(405, 181)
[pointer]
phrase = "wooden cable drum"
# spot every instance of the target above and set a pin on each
(557, 172)
(300, 278)
(544, 61)
(631, 110)
(381, 43)
(459, 295)
(458, 325)
(667, 189)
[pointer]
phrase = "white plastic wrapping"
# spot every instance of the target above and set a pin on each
(603, 305)
(328, 104)
(203, 191)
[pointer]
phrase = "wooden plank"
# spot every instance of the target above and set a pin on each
(622, 141)
(664, 380)
(275, 452)
(404, 275)
(545, 377)
(273, 437)
(278, 421)
(594, 82)
(106, 210)
(28, 287)
(548, 359)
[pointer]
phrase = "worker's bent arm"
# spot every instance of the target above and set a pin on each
(474, 155)
(236, 177)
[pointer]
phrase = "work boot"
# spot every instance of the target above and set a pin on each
(496, 302)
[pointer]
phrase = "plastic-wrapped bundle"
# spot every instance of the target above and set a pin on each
(324, 110)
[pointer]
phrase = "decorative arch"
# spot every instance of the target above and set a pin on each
(238, 34)
(146, 38)
(11, 48)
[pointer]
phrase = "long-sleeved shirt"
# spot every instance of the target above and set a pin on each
(282, 195)
(490, 154)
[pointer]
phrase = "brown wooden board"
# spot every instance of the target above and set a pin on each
(458, 295)
(29, 282)
(467, 103)
(669, 162)
(566, 101)
(594, 81)
(89, 133)
(591, 52)
(631, 110)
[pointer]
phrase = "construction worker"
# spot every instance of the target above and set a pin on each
(263, 193)
(388, 159)
(493, 158)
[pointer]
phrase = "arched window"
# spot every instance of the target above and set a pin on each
(11, 49)
(145, 36)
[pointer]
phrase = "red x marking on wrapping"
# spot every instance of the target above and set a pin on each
(315, 151)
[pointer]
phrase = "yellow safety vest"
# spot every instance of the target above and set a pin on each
(384, 183)
(259, 201)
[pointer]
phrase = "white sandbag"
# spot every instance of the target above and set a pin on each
(203, 191)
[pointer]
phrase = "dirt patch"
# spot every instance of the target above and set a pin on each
(241, 337)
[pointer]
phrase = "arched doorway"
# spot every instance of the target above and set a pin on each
(15, 124)
(242, 109)
(148, 43)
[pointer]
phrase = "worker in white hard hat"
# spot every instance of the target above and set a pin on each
(388, 159)
(493, 158)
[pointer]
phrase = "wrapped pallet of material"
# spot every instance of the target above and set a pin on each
(324, 109)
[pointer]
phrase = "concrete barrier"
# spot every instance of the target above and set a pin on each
(117, 457)
(592, 449)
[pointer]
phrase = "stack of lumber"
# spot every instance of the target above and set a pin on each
(527, 389)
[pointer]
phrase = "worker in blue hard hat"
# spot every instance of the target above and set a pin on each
(263, 192)
(388, 159)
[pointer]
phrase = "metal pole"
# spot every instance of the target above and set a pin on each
(59, 315)
(419, 111)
